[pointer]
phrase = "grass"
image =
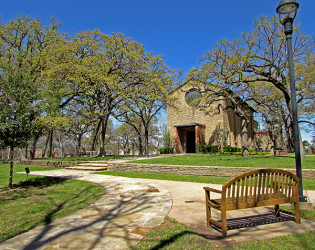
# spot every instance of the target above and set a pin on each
(39, 200)
(167, 177)
(292, 241)
(308, 184)
(174, 235)
(229, 160)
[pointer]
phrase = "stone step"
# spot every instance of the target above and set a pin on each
(88, 168)
(92, 164)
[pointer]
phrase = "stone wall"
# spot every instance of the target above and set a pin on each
(192, 170)
(54, 164)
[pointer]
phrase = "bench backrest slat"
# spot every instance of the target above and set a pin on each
(247, 189)
(267, 187)
(242, 190)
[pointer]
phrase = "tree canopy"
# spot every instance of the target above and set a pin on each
(71, 84)
(253, 69)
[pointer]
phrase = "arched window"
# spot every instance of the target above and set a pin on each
(192, 97)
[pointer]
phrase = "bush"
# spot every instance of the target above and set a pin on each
(208, 149)
(230, 149)
(169, 150)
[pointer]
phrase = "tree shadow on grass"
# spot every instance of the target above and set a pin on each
(22, 189)
(40, 182)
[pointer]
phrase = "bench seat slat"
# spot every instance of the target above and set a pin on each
(216, 203)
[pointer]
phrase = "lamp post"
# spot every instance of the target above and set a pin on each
(287, 10)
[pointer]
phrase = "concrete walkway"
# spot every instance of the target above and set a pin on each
(132, 207)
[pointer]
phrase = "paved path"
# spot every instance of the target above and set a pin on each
(118, 220)
(132, 207)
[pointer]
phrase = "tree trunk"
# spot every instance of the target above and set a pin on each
(102, 138)
(245, 152)
(140, 145)
(272, 137)
(146, 141)
(78, 147)
(95, 134)
(11, 167)
(33, 148)
(302, 152)
(290, 137)
(50, 146)
(62, 151)
(46, 145)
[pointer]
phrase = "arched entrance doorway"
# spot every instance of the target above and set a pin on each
(188, 137)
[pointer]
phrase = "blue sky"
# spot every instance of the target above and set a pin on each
(181, 30)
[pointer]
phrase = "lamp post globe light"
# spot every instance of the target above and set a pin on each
(287, 10)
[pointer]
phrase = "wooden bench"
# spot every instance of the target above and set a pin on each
(256, 188)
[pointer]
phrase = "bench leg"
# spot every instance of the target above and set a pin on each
(297, 212)
(277, 212)
(208, 208)
(224, 223)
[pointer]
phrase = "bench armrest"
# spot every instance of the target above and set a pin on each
(212, 190)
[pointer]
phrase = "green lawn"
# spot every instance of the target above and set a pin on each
(227, 160)
(39, 200)
(308, 184)
(173, 235)
(169, 177)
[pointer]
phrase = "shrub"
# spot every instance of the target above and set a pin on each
(208, 149)
(201, 149)
(230, 149)
(168, 150)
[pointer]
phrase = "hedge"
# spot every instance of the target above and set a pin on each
(169, 150)
(230, 149)
(208, 149)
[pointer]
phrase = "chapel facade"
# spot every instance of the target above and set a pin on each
(191, 127)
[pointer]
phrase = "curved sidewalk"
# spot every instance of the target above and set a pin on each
(118, 220)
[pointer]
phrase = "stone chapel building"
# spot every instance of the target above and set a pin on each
(191, 127)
